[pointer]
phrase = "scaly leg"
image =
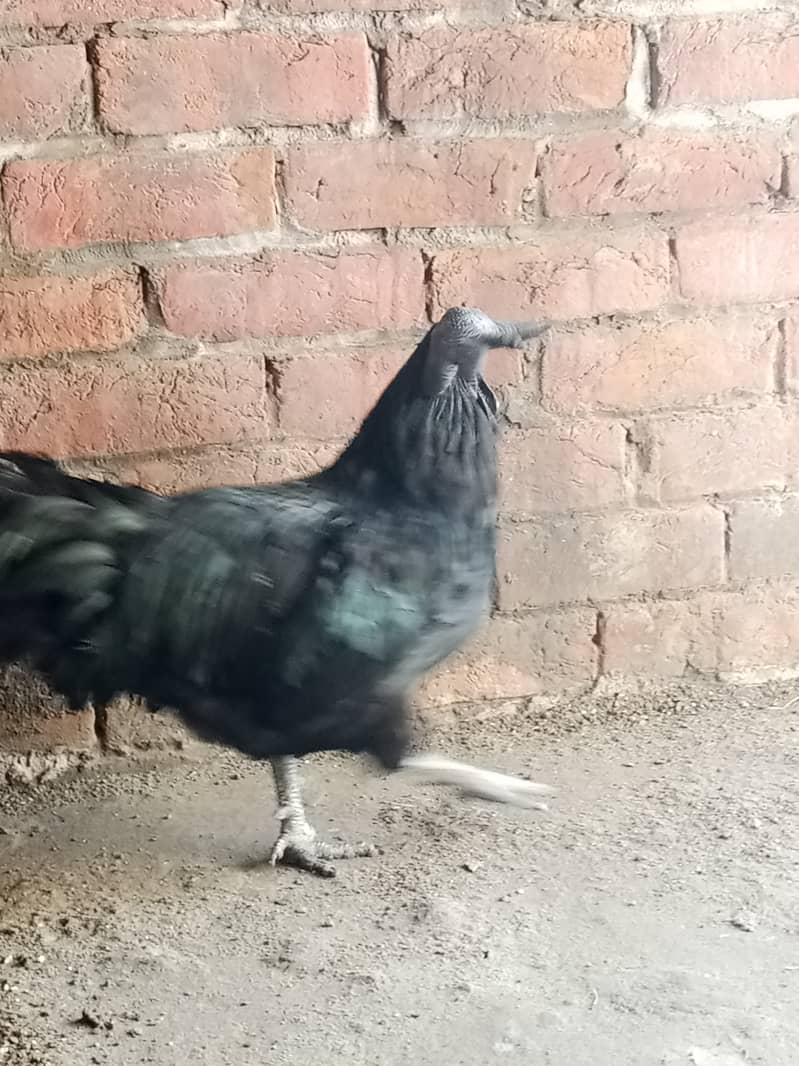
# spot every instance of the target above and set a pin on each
(297, 844)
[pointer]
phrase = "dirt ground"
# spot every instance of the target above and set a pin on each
(651, 917)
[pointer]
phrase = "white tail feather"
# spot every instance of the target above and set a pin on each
(486, 784)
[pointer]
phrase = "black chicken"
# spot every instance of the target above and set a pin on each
(286, 619)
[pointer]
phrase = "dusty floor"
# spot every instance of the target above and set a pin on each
(651, 917)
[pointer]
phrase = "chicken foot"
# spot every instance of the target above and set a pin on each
(297, 844)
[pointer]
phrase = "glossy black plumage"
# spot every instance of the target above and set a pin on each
(277, 620)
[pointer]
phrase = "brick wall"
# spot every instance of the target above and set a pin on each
(223, 227)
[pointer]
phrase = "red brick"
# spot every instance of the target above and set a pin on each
(721, 452)
(293, 460)
(570, 558)
(759, 633)
(739, 260)
(129, 726)
(68, 203)
(764, 538)
(668, 638)
(670, 364)
(368, 184)
(355, 377)
(502, 73)
(99, 408)
(505, 366)
(731, 61)
(46, 730)
(297, 7)
(295, 294)
(33, 718)
(559, 277)
(56, 13)
(42, 91)
(578, 466)
(59, 314)
(513, 658)
(613, 173)
(245, 465)
(149, 86)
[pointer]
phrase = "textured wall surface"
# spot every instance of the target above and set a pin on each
(223, 225)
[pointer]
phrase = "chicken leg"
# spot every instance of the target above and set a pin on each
(297, 844)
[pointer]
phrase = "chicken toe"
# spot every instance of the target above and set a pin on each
(297, 846)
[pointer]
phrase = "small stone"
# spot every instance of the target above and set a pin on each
(745, 921)
(88, 1021)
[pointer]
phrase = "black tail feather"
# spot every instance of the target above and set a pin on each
(59, 538)
(36, 475)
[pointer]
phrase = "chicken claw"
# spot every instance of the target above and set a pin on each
(297, 846)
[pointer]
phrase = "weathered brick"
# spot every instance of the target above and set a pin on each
(130, 727)
(502, 73)
(56, 13)
(613, 173)
(764, 538)
(672, 364)
(729, 61)
(296, 7)
(739, 260)
(98, 408)
(260, 464)
(759, 633)
(668, 638)
(42, 91)
(150, 85)
(182, 472)
(504, 366)
(513, 658)
(558, 467)
(293, 459)
(33, 718)
(295, 293)
(563, 277)
(720, 452)
(280, 461)
(355, 378)
(570, 558)
(368, 184)
(62, 314)
(68, 203)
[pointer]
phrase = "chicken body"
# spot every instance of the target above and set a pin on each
(280, 620)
